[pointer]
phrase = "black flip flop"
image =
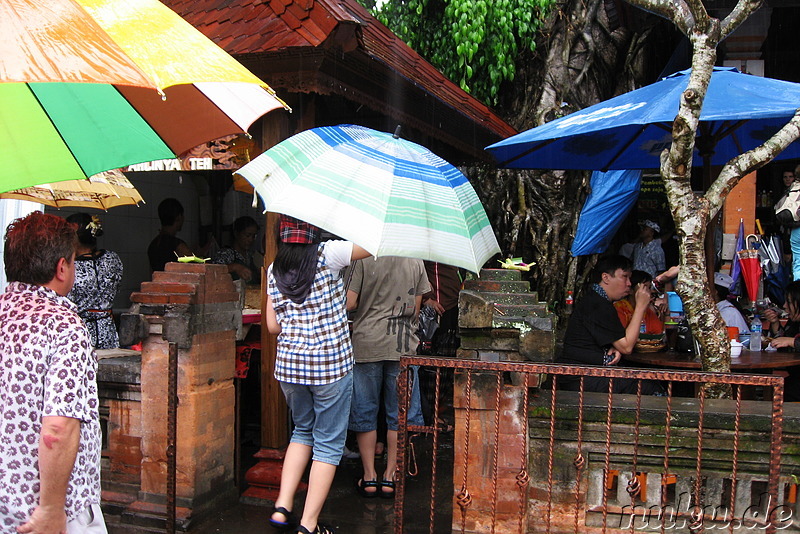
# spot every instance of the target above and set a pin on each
(387, 494)
(362, 485)
(291, 522)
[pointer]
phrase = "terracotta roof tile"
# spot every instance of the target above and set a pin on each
(271, 26)
(301, 12)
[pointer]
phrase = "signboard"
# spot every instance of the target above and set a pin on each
(227, 153)
(652, 197)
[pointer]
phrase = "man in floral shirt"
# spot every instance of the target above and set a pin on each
(50, 440)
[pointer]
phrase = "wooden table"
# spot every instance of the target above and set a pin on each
(758, 360)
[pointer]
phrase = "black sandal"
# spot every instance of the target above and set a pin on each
(387, 484)
(321, 529)
(291, 519)
(362, 485)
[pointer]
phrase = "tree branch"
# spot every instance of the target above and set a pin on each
(676, 11)
(742, 10)
(743, 164)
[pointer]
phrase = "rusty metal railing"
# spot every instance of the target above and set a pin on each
(613, 486)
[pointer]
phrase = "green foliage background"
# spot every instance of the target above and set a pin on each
(475, 43)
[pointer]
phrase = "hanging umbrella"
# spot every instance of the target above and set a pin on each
(388, 195)
(736, 269)
(93, 85)
(613, 195)
(102, 191)
(750, 266)
(630, 131)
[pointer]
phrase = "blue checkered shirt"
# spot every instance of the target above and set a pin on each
(314, 344)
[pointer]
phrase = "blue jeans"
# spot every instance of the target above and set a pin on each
(370, 379)
(320, 416)
(794, 243)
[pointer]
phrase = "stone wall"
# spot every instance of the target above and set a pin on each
(501, 319)
(515, 482)
(751, 501)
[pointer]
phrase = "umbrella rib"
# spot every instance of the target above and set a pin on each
(624, 147)
(55, 128)
(527, 152)
(731, 131)
(121, 94)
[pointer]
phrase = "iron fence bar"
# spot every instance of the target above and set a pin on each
(579, 461)
(434, 460)
(665, 473)
(735, 460)
(496, 447)
(523, 479)
(634, 485)
(607, 452)
(550, 447)
(402, 421)
(698, 526)
(464, 498)
(607, 372)
(775, 453)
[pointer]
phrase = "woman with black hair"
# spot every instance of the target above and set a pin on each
(314, 363)
(97, 277)
(238, 257)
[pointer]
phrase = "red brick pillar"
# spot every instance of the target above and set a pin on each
(490, 440)
(196, 307)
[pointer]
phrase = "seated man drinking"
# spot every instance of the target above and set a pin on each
(595, 335)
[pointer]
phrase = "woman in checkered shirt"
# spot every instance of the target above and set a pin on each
(314, 363)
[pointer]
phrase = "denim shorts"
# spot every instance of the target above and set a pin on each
(320, 415)
(372, 378)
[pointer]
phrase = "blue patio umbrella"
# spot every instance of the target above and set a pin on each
(630, 131)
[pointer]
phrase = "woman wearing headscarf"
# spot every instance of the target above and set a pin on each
(314, 363)
(97, 277)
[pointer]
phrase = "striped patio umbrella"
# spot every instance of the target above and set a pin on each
(388, 195)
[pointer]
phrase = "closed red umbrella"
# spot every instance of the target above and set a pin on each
(750, 265)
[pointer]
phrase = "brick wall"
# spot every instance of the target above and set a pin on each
(196, 307)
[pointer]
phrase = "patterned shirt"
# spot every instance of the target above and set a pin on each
(229, 255)
(97, 278)
(649, 258)
(314, 344)
(47, 368)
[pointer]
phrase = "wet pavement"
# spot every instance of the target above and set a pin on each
(349, 513)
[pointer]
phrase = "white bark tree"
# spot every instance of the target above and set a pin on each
(692, 212)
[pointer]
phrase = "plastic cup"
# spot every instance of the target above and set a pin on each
(736, 349)
(733, 333)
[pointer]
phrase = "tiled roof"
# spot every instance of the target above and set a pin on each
(364, 59)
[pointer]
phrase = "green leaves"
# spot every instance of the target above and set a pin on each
(473, 42)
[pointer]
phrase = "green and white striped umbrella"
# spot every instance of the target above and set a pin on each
(388, 195)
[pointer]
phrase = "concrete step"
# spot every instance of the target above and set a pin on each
(504, 299)
(498, 286)
(500, 274)
(521, 310)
